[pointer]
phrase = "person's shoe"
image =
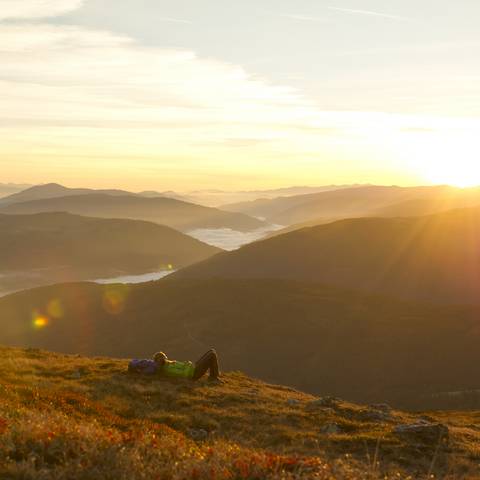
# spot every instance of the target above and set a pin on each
(215, 381)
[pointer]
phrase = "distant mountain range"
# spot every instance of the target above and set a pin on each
(53, 247)
(325, 340)
(54, 190)
(210, 198)
(380, 201)
(431, 258)
(217, 198)
(120, 204)
(7, 189)
(371, 309)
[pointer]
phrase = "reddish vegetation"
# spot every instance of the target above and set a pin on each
(79, 419)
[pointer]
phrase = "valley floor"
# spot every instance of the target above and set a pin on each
(69, 417)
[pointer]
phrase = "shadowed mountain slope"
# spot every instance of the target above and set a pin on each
(359, 202)
(61, 245)
(432, 258)
(166, 211)
(321, 339)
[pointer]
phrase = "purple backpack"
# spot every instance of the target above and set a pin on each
(148, 367)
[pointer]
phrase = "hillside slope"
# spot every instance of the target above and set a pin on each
(50, 247)
(363, 201)
(165, 211)
(77, 418)
(319, 339)
(54, 190)
(7, 189)
(433, 258)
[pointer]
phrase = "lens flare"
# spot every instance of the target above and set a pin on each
(40, 321)
(55, 309)
(114, 299)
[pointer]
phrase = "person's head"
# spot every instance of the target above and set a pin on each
(160, 358)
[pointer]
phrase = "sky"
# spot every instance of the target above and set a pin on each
(197, 94)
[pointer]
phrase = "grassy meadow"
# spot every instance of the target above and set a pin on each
(66, 416)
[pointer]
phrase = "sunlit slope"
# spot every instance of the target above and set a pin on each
(166, 211)
(77, 418)
(432, 258)
(320, 339)
(359, 202)
(82, 245)
(426, 205)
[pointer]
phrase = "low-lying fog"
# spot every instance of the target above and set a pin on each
(228, 239)
(224, 238)
(146, 277)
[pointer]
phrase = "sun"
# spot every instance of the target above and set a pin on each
(444, 157)
(455, 172)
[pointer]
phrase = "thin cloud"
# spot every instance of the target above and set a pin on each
(369, 13)
(20, 9)
(306, 18)
(173, 20)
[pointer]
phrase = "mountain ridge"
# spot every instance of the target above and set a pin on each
(174, 213)
(53, 247)
(361, 347)
(430, 258)
(362, 201)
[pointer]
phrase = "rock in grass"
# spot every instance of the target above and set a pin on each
(424, 432)
(373, 415)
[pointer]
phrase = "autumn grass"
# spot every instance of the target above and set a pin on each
(68, 417)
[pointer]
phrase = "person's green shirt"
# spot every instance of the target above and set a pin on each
(178, 369)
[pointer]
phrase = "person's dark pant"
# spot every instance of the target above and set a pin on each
(208, 362)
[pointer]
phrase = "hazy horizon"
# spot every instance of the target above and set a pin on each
(113, 186)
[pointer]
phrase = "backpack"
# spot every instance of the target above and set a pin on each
(147, 367)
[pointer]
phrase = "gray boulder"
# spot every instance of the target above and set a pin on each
(424, 432)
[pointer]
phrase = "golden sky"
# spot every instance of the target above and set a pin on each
(174, 95)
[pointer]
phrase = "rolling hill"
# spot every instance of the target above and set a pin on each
(7, 189)
(217, 198)
(433, 258)
(388, 201)
(165, 211)
(317, 338)
(80, 418)
(210, 198)
(54, 190)
(47, 247)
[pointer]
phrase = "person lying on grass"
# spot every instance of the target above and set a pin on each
(161, 365)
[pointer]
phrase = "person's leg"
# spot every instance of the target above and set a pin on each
(208, 362)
